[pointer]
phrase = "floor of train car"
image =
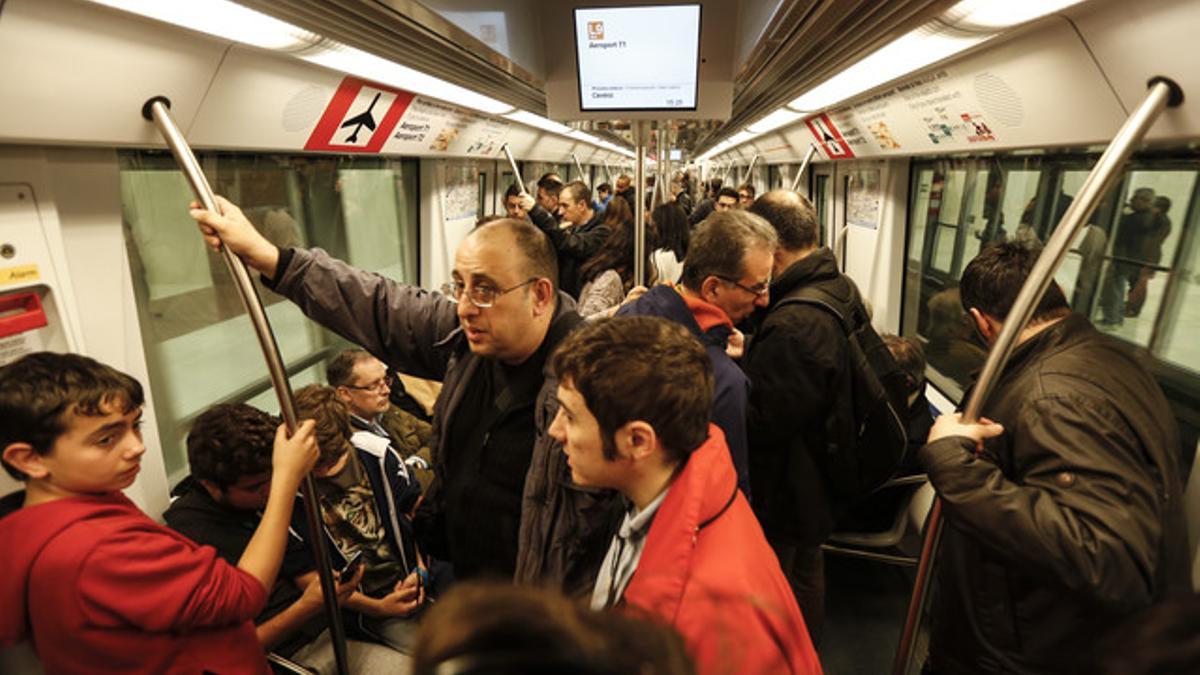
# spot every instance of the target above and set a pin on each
(865, 604)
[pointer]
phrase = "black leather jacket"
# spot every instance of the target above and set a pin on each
(1066, 523)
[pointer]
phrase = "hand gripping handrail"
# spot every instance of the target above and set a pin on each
(157, 110)
(1163, 92)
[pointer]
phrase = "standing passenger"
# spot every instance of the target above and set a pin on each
(1066, 519)
(670, 234)
(634, 398)
(584, 234)
(798, 362)
(502, 498)
(725, 276)
(706, 205)
(89, 579)
(745, 194)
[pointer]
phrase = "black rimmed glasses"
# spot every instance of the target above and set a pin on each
(758, 289)
(483, 295)
(386, 382)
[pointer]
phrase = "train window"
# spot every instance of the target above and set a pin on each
(199, 348)
(1131, 268)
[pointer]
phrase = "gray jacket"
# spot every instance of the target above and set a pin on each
(565, 528)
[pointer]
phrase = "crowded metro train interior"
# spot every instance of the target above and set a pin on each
(607, 336)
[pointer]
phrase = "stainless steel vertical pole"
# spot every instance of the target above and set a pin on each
(157, 111)
(639, 204)
(750, 171)
(513, 163)
(579, 168)
(812, 150)
(1163, 93)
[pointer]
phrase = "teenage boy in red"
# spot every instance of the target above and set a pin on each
(634, 398)
(95, 583)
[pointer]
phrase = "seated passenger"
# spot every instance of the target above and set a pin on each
(229, 452)
(634, 398)
(1069, 517)
(364, 385)
(364, 493)
(90, 579)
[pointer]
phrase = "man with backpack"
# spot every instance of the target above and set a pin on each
(820, 381)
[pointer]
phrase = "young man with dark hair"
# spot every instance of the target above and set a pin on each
(502, 502)
(1064, 516)
(93, 582)
(581, 238)
(549, 186)
(512, 203)
(725, 275)
(634, 398)
(727, 200)
(366, 501)
(230, 458)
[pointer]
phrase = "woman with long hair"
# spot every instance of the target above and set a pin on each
(669, 224)
(608, 275)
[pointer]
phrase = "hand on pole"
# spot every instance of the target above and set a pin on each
(952, 425)
(232, 229)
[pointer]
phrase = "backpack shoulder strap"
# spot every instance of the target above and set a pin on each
(819, 296)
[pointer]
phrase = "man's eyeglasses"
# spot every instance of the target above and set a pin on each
(386, 382)
(758, 289)
(483, 296)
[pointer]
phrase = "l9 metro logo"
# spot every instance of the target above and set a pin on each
(595, 30)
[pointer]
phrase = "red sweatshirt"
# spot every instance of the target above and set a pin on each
(99, 587)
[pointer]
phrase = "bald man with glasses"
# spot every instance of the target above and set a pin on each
(502, 504)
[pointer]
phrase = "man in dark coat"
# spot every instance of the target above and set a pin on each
(1064, 516)
(502, 498)
(796, 363)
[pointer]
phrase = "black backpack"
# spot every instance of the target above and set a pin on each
(867, 431)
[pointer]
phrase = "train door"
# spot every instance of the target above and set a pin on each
(821, 193)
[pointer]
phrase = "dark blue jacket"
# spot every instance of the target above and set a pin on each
(732, 386)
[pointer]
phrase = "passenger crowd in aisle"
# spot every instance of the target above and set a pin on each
(672, 467)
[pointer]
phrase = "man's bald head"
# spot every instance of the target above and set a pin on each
(524, 239)
(792, 216)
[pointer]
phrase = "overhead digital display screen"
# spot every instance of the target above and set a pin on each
(638, 58)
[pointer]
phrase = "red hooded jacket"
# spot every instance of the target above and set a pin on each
(99, 587)
(707, 569)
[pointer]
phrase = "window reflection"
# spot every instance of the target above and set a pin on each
(1132, 268)
(199, 348)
